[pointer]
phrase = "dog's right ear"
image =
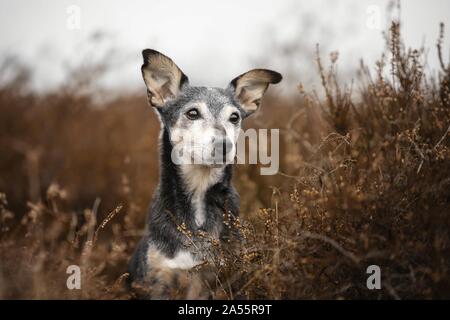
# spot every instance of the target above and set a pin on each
(162, 77)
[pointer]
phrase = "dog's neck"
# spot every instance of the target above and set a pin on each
(197, 180)
(186, 185)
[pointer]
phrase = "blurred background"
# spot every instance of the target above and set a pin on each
(71, 75)
(211, 43)
(364, 150)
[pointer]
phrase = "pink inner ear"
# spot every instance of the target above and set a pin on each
(250, 95)
(162, 77)
(166, 90)
(243, 96)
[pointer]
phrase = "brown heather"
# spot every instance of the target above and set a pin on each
(364, 179)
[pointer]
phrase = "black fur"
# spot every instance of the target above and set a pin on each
(171, 206)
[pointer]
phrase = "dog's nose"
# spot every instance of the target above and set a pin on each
(222, 147)
(228, 145)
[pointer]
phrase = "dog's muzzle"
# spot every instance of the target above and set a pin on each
(223, 148)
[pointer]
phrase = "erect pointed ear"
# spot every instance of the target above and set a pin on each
(251, 86)
(162, 77)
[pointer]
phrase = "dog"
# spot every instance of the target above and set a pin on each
(199, 129)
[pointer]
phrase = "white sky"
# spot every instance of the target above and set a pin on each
(211, 41)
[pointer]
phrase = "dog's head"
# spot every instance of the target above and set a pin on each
(203, 123)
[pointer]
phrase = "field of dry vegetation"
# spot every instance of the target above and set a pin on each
(364, 179)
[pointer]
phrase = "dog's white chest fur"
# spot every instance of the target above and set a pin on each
(198, 179)
(183, 259)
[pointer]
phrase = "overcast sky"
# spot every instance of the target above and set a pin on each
(211, 41)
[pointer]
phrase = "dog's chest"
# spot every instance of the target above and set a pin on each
(197, 181)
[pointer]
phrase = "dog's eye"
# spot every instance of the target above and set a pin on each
(193, 114)
(234, 118)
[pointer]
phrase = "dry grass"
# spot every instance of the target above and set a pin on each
(364, 179)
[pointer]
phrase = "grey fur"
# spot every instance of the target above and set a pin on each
(173, 201)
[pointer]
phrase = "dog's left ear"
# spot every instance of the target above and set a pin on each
(249, 87)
